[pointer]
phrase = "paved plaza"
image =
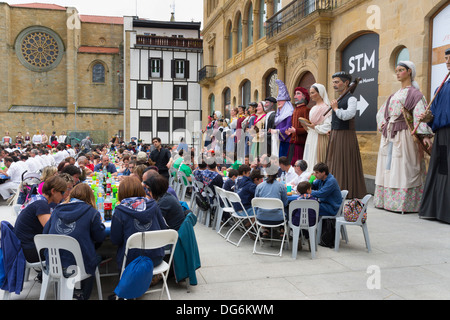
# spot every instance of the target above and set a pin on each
(410, 259)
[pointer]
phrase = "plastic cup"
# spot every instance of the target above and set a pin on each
(289, 188)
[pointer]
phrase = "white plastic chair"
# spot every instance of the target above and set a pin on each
(207, 194)
(193, 191)
(303, 206)
(342, 223)
(182, 187)
(344, 194)
(232, 197)
(153, 240)
(272, 204)
(52, 270)
(172, 177)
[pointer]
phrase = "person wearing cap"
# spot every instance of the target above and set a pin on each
(270, 109)
(434, 205)
(400, 166)
(283, 121)
(297, 132)
(343, 156)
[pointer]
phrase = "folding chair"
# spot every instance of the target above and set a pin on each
(238, 219)
(272, 204)
(154, 240)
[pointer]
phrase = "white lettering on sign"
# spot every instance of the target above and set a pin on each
(362, 62)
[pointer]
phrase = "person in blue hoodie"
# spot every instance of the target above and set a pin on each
(78, 218)
(326, 189)
(135, 213)
(247, 188)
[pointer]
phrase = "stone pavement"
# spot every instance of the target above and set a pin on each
(409, 260)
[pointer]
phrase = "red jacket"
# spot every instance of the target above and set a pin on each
(300, 136)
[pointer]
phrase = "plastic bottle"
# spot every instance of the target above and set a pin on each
(108, 207)
(100, 205)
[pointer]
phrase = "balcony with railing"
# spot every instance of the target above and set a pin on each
(295, 12)
(169, 42)
(206, 74)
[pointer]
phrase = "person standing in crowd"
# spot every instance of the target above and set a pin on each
(6, 140)
(401, 166)
(62, 137)
(161, 157)
(434, 204)
(270, 108)
(86, 144)
(343, 157)
(37, 138)
(283, 121)
(297, 132)
(317, 140)
(257, 132)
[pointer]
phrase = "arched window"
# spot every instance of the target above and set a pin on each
(250, 26)
(98, 73)
(402, 55)
(212, 102)
(239, 34)
(262, 18)
(230, 42)
(246, 93)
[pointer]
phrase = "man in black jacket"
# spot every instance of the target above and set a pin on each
(161, 156)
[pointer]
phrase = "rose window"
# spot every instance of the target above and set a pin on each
(39, 49)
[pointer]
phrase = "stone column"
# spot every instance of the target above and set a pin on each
(72, 45)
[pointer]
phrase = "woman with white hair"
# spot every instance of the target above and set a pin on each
(400, 168)
(318, 128)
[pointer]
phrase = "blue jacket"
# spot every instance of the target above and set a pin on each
(246, 192)
(136, 215)
(82, 222)
(186, 258)
(329, 195)
(13, 259)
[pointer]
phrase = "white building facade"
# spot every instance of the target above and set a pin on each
(162, 96)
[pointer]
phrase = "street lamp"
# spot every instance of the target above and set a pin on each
(75, 104)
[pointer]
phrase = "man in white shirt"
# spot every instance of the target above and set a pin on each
(62, 137)
(301, 167)
(288, 170)
(14, 172)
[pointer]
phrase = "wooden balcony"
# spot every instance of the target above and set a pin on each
(169, 42)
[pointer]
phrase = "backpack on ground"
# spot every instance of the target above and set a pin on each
(353, 209)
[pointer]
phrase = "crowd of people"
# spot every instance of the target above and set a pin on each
(264, 150)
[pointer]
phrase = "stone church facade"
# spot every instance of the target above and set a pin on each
(60, 71)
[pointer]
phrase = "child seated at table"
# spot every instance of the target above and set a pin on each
(304, 190)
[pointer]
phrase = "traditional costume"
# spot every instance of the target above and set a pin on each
(270, 110)
(317, 140)
(400, 167)
(298, 139)
(435, 200)
(343, 156)
(283, 121)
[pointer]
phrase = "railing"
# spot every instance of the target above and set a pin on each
(207, 72)
(157, 41)
(294, 12)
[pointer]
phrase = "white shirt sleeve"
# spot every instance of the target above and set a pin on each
(350, 113)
